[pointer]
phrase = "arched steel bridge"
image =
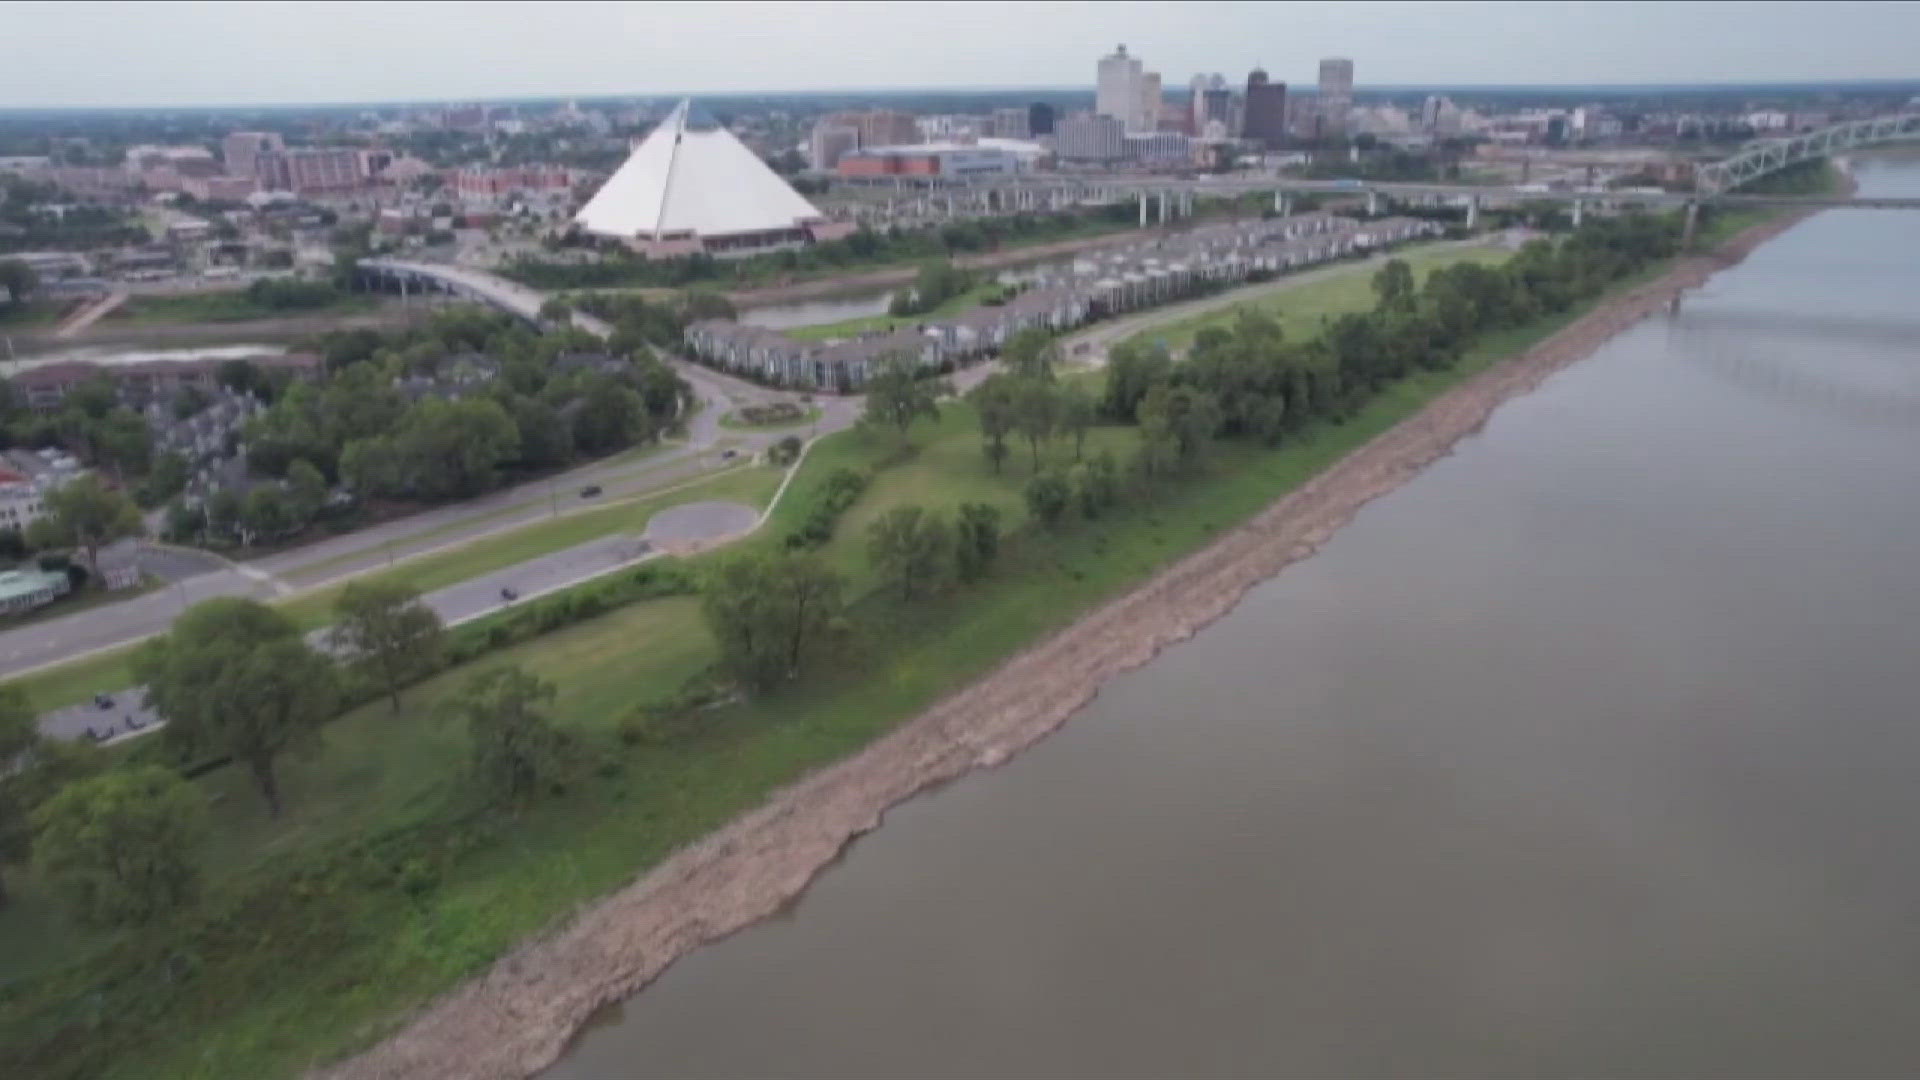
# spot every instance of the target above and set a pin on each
(1757, 159)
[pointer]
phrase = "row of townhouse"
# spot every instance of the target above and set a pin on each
(1061, 298)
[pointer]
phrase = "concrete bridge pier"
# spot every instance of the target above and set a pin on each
(1186, 203)
(1579, 212)
(1163, 206)
(1282, 204)
(1143, 209)
(1373, 203)
(1692, 220)
(1473, 211)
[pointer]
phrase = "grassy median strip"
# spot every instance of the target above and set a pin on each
(750, 484)
(71, 683)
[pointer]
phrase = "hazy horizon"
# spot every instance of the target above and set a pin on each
(275, 54)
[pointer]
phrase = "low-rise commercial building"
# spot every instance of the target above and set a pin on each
(933, 159)
(26, 589)
(1090, 137)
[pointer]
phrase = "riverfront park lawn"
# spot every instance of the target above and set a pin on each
(381, 775)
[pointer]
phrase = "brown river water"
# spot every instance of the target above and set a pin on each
(1590, 751)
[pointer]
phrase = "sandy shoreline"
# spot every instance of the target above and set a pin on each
(519, 1016)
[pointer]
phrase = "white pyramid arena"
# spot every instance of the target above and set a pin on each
(690, 187)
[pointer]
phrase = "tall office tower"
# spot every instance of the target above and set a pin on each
(1148, 116)
(1039, 118)
(1011, 123)
(1266, 117)
(1336, 95)
(1117, 91)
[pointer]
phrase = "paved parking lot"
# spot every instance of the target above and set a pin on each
(698, 522)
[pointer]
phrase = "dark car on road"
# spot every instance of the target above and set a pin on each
(590, 491)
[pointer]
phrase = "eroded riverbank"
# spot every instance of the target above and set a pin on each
(518, 1018)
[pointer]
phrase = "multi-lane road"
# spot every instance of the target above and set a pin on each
(328, 561)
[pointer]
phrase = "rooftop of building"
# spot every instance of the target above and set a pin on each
(21, 584)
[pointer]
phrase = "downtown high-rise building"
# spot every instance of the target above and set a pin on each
(1124, 90)
(1039, 119)
(1089, 137)
(1266, 110)
(1212, 101)
(1336, 95)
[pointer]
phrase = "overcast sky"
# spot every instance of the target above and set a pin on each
(155, 53)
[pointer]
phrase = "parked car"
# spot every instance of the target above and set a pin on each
(590, 491)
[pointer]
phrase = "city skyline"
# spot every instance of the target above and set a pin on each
(209, 54)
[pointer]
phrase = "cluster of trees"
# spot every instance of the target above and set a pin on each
(91, 423)
(618, 267)
(639, 323)
(917, 553)
(518, 406)
(938, 282)
(238, 682)
(835, 496)
(1250, 380)
(286, 294)
(37, 217)
(18, 280)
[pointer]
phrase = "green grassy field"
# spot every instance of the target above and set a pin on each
(233, 305)
(871, 323)
(1301, 307)
(734, 422)
(393, 950)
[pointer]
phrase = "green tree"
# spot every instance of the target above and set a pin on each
(1075, 415)
(265, 513)
(1092, 484)
(389, 632)
(770, 612)
(119, 845)
(610, 417)
(515, 746)
(897, 396)
(1393, 285)
(86, 514)
(451, 449)
(1047, 494)
(19, 739)
(976, 539)
(1131, 371)
(123, 442)
(368, 466)
(234, 676)
(18, 279)
(306, 491)
(995, 402)
(912, 548)
(166, 479)
(1176, 423)
(1036, 413)
(1032, 353)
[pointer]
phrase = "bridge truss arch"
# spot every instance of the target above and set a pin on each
(1771, 155)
